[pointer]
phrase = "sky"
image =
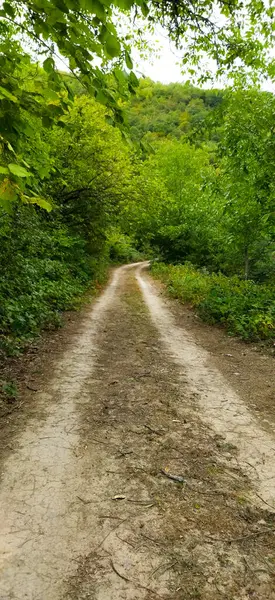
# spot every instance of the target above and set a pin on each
(166, 68)
(164, 65)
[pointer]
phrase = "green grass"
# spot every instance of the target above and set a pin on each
(245, 308)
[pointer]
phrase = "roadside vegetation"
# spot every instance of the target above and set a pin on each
(246, 309)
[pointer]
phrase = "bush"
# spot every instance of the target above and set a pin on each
(246, 309)
(121, 247)
(45, 269)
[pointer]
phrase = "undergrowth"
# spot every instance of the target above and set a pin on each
(245, 308)
(45, 270)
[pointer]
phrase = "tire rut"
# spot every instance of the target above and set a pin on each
(89, 509)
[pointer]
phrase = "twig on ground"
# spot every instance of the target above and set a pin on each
(32, 388)
(118, 573)
(109, 517)
(264, 501)
(142, 502)
(167, 567)
(154, 430)
(110, 533)
(151, 539)
(125, 541)
(96, 441)
(85, 501)
(143, 587)
(242, 538)
(145, 374)
(9, 412)
(177, 478)
(177, 450)
(122, 453)
(209, 492)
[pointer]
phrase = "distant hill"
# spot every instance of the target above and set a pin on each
(172, 110)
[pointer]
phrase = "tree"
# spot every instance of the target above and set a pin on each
(93, 172)
(87, 37)
(247, 174)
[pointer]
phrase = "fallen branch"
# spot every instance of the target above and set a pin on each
(264, 501)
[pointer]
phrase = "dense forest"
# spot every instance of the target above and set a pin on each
(98, 167)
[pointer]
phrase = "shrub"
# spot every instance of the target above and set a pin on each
(121, 247)
(45, 269)
(247, 309)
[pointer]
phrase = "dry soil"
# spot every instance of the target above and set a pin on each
(140, 462)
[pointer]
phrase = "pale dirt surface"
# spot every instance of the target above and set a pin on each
(223, 409)
(134, 395)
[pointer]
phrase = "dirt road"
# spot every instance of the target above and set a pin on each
(141, 473)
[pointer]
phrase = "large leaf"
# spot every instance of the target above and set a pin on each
(40, 202)
(128, 60)
(18, 171)
(95, 7)
(48, 65)
(112, 46)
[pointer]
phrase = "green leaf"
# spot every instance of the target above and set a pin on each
(18, 170)
(10, 148)
(8, 193)
(6, 94)
(95, 7)
(51, 97)
(48, 65)
(133, 79)
(128, 60)
(112, 46)
(9, 9)
(4, 170)
(40, 202)
(144, 9)
(120, 75)
(47, 121)
(124, 4)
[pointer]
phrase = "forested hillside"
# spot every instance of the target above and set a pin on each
(172, 111)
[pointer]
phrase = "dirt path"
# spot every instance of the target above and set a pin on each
(87, 508)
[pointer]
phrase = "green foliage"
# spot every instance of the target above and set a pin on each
(122, 247)
(175, 110)
(87, 35)
(48, 260)
(211, 202)
(43, 271)
(245, 308)
(74, 190)
(9, 390)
